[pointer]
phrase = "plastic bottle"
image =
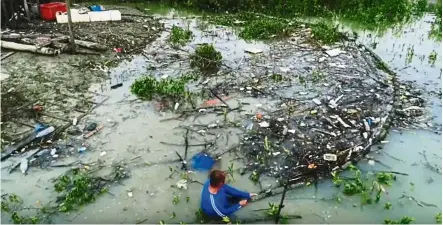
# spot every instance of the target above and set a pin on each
(45, 132)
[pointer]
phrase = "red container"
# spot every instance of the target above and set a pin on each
(49, 10)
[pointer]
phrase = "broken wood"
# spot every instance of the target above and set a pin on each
(7, 55)
(90, 45)
(29, 48)
(16, 37)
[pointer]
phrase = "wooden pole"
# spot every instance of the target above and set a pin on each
(71, 32)
(25, 5)
(281, 205)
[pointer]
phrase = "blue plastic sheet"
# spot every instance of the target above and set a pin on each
(202, 162)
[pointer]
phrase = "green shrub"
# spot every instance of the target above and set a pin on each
(179, 36)
(325, 33)
(265, 28)
(206, 58)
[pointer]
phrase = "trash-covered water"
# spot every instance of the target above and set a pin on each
(133, 130)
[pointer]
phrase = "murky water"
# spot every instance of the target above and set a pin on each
(141, 128)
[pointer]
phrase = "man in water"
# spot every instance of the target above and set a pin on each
(220, 200)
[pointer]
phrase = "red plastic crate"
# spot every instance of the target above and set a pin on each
(49, 10)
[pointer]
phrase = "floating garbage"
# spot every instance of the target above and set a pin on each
(202, 162)
(264, 124)
(182, 184)
(330, 157)
(24, 165)
(253, 50)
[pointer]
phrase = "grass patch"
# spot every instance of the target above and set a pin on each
(180, 36)
(206, 58)
(325, 33)
(148, 87)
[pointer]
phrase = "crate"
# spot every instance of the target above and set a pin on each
(48, 11)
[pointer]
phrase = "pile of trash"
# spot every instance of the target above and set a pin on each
(42, 149)
(129, 35)
(334, 102)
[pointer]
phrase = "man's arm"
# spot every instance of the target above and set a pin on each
(221, 210)
(236, 193)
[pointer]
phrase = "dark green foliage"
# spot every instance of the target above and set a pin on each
(148, 87)
(325, 33)
(206, 58)
(370, 14)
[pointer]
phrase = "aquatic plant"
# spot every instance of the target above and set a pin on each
(358, 185)
(325, 33)
(265, 28)
(436, 26)
(175, 199)
(403, 220)
(385, 178)
(206, 58)
(12, 204)
(179, 36)
(374, 15)
(78, 187)
(438, 218)
(148, 87)
(432, 57)
(388, 206)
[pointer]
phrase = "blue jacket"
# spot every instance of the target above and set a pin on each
(218, 205)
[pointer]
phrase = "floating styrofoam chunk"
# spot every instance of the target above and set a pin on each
(334, 52)
(253, 50)
(264, 124)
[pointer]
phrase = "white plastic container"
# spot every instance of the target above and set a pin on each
(61, 17)
(96, 16)
(115, 15)
(76, 17)
(100, 16)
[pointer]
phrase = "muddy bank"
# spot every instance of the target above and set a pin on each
(292, 77)
(60, 84)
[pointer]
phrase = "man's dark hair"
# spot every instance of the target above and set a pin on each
(216, 178)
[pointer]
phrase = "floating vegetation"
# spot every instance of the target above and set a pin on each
(175, 199)
(78, 187)
(374, 15)
(436, 26)
(403, 220)
(180, 36)
(206, 58)
(325, 33)
(357, 185)
(266, 28)
(432, 57)
(388, 206)
(13, 205)
(410, 55)
(438, 218)
(148, 87)
(75, 188)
